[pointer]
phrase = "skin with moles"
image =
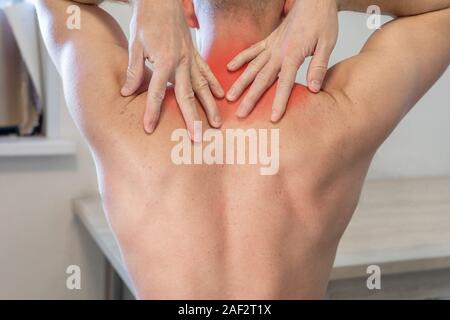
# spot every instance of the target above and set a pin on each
(225, 231)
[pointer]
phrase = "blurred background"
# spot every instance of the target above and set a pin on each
(44, 169)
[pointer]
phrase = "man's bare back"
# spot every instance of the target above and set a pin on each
(226, 231)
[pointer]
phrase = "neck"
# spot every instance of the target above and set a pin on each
(218, 46)
(218, 55)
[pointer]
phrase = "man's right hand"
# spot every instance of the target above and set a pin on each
(160, 34)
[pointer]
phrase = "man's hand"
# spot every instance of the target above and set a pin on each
(310, 29)
(160, 34)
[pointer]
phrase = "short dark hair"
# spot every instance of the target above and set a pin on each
(253, 7)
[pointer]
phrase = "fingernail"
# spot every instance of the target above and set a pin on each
(240, 113)
(231, 65)
(274, 116)
(231, 94)
(220, 92)
(315, 85)
(194, 137)
(150, 127)
(194, 131)
(125, 91)
(218, 121)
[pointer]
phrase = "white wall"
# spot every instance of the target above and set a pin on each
(39, 237)
(420, 145)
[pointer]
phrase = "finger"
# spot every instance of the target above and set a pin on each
(318, 67)
(286, 81)
(213, 83)
(135, 70)
(262, 82)
(203, 93)
(246, 55)
(155, 97)
(247, 77)
(186, 99)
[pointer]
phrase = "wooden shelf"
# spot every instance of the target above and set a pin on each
(36, 146)
(400, 225)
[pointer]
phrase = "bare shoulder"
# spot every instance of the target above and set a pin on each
(321, 127)
(395, 68)
(323, 115)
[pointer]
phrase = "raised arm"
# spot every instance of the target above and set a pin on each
(89, 59)
(396, 67)
(160, 34)
(97, 31)
(396, 8)
(310, 29)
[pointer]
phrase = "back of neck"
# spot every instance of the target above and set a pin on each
(220, 45)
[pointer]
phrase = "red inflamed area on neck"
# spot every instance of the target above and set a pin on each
(218, 57)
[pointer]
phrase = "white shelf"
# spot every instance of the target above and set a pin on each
(36, 146)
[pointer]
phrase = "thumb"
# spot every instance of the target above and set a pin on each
(135, 71)
(318, 68)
